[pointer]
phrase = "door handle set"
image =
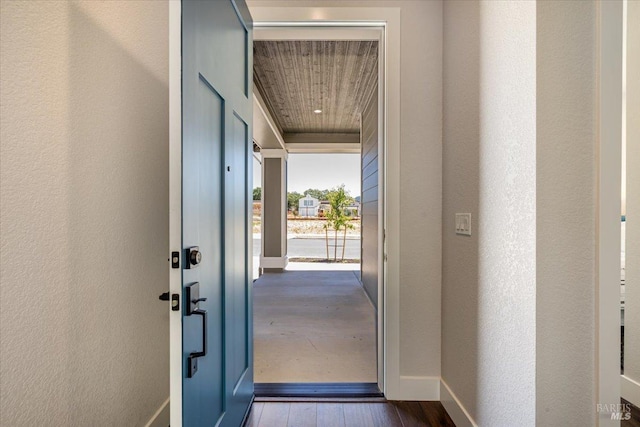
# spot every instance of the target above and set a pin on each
(193, 258)
(192, 367)
(192, 298)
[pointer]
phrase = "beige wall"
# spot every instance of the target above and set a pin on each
(632, 291)
(420, 176)
(519, 154)
(461, 193)
(566, 206)
(489, 132)
(84, 218)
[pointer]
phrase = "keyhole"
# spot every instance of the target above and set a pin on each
(228, 168)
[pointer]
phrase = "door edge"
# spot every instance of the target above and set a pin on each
(175, 208)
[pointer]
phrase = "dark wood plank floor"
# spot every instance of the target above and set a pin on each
(634, 421)
(348, 414)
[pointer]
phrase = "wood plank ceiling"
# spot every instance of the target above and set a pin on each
(297, 77)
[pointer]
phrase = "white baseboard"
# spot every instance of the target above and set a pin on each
(274, 262)
(454, 407)
(417, 388)
(630, 390)
(161, 417)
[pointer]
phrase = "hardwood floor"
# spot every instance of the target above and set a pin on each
(635, 416)
(348, 414)
(363, 414)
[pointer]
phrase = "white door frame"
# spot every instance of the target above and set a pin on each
(629, 387)
(366, 20)
(175, 205)
(609, 161)
(382, 24)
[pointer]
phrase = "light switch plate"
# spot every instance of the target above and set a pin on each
(463, 224)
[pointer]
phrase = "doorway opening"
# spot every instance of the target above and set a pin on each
(324, 211)
(316, 318)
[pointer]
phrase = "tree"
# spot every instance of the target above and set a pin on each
(293, 198)
(257, 193)
(318, 194)
(337, 218)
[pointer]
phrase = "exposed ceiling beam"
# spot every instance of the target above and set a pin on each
(321, 138)
(266, 133)
(331, 148)
(318, 33)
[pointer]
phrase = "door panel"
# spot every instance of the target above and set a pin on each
(239, 381)
(202, 151)
(216, 113)
(235, 274)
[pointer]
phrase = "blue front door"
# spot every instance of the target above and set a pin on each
(216, 139)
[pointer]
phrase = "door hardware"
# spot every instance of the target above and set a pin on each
(194, 257)
(175, 259)
(193, 356)
(192, 299)
(175, 300)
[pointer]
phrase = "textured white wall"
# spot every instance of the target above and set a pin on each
(519, 149)
(489, 137)
(421, 176)
(84, 218)
(632, 291)
(566, 206)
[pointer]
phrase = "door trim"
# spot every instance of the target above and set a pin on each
(609, 155)
(175, 205)
(358, 23)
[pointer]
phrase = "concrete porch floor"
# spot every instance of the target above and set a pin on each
(313, 326)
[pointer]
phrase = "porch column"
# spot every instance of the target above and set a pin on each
(273, 256)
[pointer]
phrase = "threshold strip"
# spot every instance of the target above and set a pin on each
(317, 390)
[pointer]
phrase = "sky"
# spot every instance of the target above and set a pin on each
(321, 171)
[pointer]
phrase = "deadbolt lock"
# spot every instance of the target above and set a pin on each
(194, 256)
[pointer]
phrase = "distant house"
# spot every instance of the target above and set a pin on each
(353, 209)
(308, 206)
(257, 208)
(324, 208)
